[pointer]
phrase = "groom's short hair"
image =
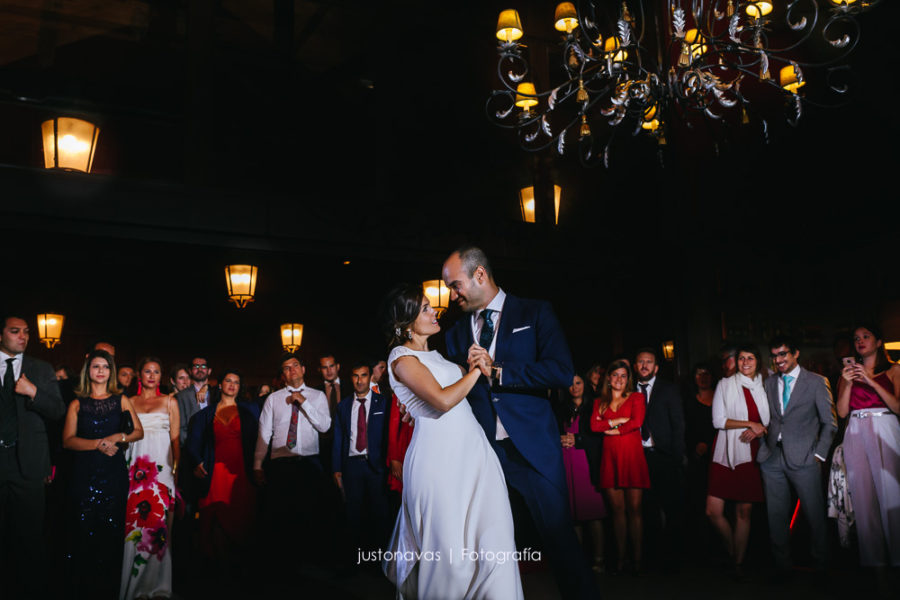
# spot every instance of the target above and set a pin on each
(473, 257)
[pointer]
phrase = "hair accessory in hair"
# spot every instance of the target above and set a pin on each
(397, 331)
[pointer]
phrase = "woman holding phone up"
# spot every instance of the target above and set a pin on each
(868, 393)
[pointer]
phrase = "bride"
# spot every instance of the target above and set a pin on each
(454, 534)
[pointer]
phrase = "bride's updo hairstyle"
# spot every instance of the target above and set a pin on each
(399, 309)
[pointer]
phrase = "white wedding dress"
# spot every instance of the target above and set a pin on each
(454, 535)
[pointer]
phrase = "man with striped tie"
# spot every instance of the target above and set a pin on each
(291, 420)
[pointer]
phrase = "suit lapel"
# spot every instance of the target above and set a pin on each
(509, 317)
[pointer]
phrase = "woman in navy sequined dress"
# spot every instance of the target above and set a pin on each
(99, 480)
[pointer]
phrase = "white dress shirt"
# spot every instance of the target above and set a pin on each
(275, 421)
(354, 419)
(17, 365)
(648, 443)
(477, 322)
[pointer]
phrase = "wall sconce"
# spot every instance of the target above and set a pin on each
(50, 328)
(291, 336)
(668, 348)
(438, 295)
(241, 283)
(557, 195)
(526, 203)
(69, 144)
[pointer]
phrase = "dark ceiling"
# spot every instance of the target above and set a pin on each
(303, 134)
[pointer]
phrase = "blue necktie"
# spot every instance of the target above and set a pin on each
(786, 394)
(487, 330)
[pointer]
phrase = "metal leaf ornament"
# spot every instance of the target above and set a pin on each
(678, 22)
(734, 29)
(515, 77)
(545, 126)
(561, 145)
(624, 32)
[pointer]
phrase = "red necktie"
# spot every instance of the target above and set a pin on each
(361, 441)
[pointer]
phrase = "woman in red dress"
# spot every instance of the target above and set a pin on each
(619, 414)
(740, 412)
(220, 445)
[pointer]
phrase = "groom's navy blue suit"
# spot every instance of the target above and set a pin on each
(534, 356)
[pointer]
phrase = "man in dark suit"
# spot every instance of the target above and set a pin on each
(802, 426)
(358, 458)
(662, 436)
(522, 343)
(29, 396)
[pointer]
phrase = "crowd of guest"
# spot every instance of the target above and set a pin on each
(168, 470)
(763, 435)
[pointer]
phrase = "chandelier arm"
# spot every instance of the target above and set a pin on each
(514, 57)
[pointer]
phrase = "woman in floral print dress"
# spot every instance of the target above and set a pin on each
(147, 568)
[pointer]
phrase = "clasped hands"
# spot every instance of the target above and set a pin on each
(756, 430)
(480, 359)
(856, 372)
(295, 397)
(108, 445)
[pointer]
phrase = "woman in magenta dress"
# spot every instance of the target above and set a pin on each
(581, 456)
(740, 412)
(868, 393)
(618, 414)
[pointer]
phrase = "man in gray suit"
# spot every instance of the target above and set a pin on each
(803, 423)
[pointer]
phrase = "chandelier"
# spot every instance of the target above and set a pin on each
(625, 69)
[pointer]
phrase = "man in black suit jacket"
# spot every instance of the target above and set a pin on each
(663, 438)
(29, 395)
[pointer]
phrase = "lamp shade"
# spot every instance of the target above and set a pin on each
(438, 295)
(509, 26)
(241, 283)
(668, 348)
(565, 17)
(525, 93)
(50, 328)
(759, 9)
(695, 41)
(69, 144)
(791, 78)
(526, 203)
(611, 47)
(291, 336)
(651, 120)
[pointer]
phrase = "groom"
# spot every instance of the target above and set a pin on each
(522, 343)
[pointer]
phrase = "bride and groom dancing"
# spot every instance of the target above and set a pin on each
(483, 421)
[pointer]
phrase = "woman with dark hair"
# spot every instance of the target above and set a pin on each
(869, 392)
(454, 533)
(152, 462)
(740, 412)
(581, 457)
(593, 381)
(699, 435)
(219, 448)
(618, 414)
(179, 377)
(95, 425)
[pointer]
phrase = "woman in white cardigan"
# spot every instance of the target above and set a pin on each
(740, 411)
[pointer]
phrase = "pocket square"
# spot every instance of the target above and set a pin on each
(378, 413)
(518, 329)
